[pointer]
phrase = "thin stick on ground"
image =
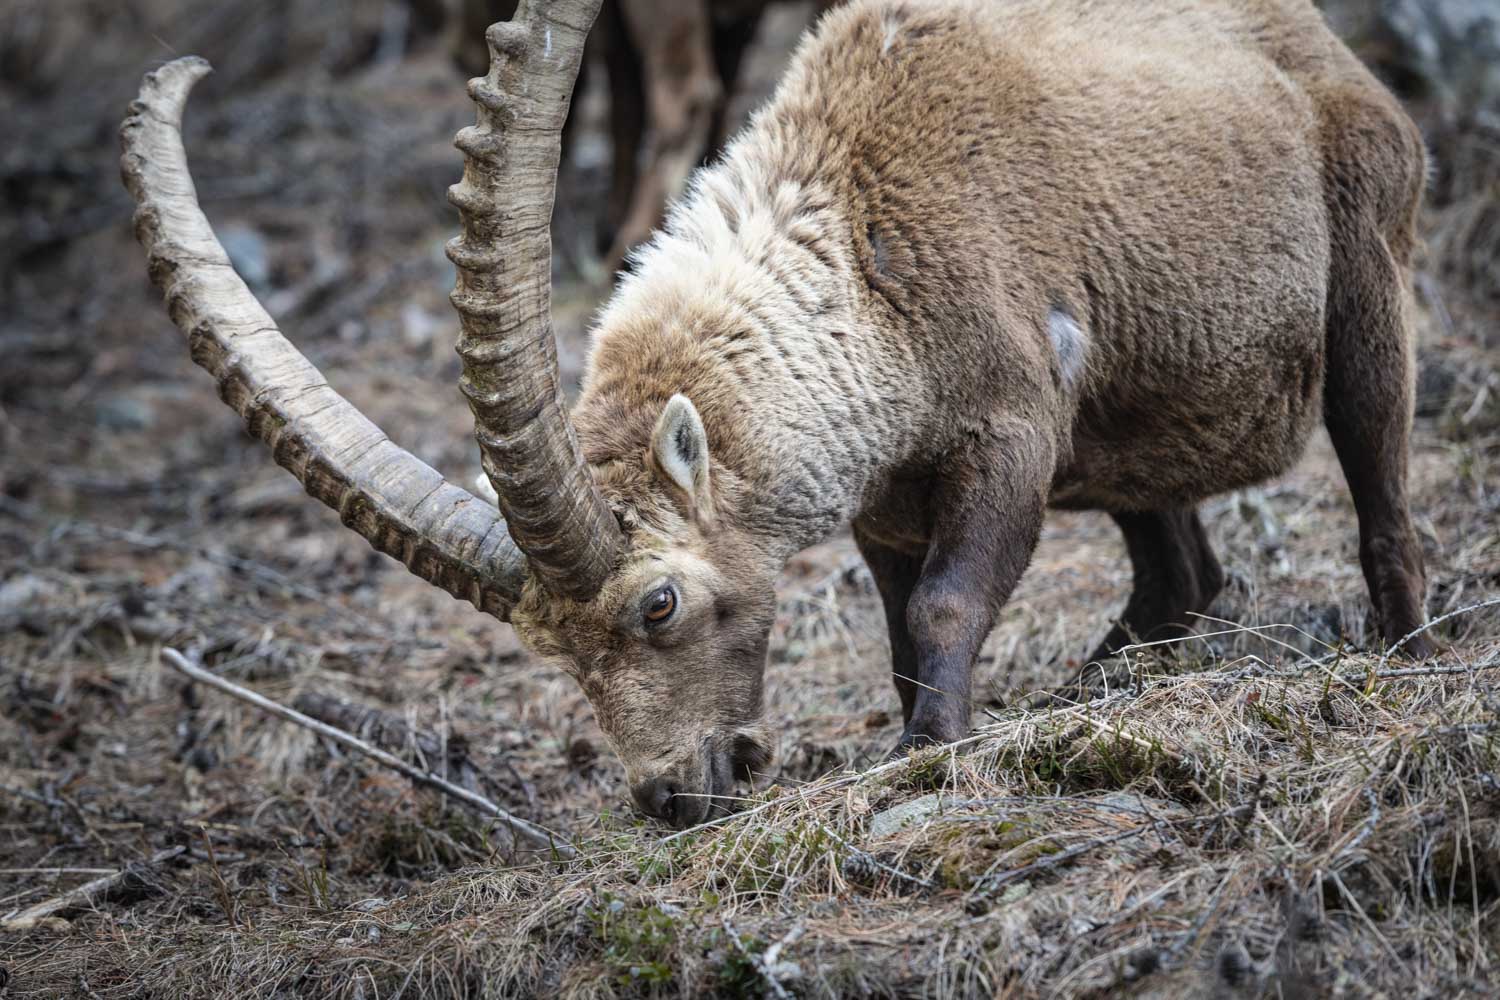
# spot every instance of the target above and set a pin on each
(84, 895)
(523, 829)
(1391, 650)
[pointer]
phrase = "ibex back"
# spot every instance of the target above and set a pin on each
(971, 260)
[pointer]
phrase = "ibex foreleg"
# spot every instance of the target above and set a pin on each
(988, 514)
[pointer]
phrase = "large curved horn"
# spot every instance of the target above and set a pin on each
(396, 502)
(503, 296)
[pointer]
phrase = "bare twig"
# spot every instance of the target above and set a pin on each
(756, 961)
(1386, 675)
(84, 895)
(1363, 834)
(385, 730)
(1385, 658)
(520, 827)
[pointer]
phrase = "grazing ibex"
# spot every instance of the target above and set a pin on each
(973, 259)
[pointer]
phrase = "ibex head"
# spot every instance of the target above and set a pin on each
(670, 649)
(622, 572)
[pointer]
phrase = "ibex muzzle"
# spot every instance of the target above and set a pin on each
(972, 260)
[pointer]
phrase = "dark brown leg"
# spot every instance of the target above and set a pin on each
(1175, 574)
(627, 119)
(1367, 406)
(895, 574)
(989, 509)
(730, 40)
(681, 90)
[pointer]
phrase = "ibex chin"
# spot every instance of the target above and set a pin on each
(973, 259)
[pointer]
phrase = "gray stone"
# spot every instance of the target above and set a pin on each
(26, 592)
(122, 412)
(905, 814)
(248, 253)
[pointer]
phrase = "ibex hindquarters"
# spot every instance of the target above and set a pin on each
(1227, 250)
(1373, 169)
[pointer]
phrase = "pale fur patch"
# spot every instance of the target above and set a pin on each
(1070, 344)
(892, 32)
(738, 236)
(485, 491)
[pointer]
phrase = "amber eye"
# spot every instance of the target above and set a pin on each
(660, 605)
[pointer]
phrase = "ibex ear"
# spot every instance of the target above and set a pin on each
(679, 453)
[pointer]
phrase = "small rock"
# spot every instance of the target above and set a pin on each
(25, 593)
(898, 817)
(121, 412)
(248, 253)
(418, 326)
(485, 490)
(1134, 803)
(352, 331)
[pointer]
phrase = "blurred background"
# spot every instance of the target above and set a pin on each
(135, 512)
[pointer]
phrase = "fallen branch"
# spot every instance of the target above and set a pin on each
(391, 733)
(84, 895)
(519, 827)
(1386, 657)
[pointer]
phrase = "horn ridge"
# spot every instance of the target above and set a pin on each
(529, 451)
(396, 502)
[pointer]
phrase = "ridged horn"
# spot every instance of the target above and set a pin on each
(528, 448)
(400, 505)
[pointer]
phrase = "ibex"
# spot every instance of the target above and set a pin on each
(973, 259)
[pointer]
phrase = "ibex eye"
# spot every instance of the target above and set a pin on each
(660, 605)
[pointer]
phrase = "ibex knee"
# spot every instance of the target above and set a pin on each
(943, 618)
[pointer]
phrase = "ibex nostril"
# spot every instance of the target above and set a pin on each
(657, 798)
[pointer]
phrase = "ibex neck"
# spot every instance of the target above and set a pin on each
(746, 303)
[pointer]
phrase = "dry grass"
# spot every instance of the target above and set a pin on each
(1309, 828)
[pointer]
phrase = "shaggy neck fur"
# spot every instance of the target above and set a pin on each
(747, 304)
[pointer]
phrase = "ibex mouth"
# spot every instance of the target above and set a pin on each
(749, 755)
(733, 757)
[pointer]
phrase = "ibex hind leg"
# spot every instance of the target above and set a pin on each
(1367, 406)
(1175, 575)
(1374, 173)
(896, 574)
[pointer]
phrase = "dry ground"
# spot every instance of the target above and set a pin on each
(1273, 810)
